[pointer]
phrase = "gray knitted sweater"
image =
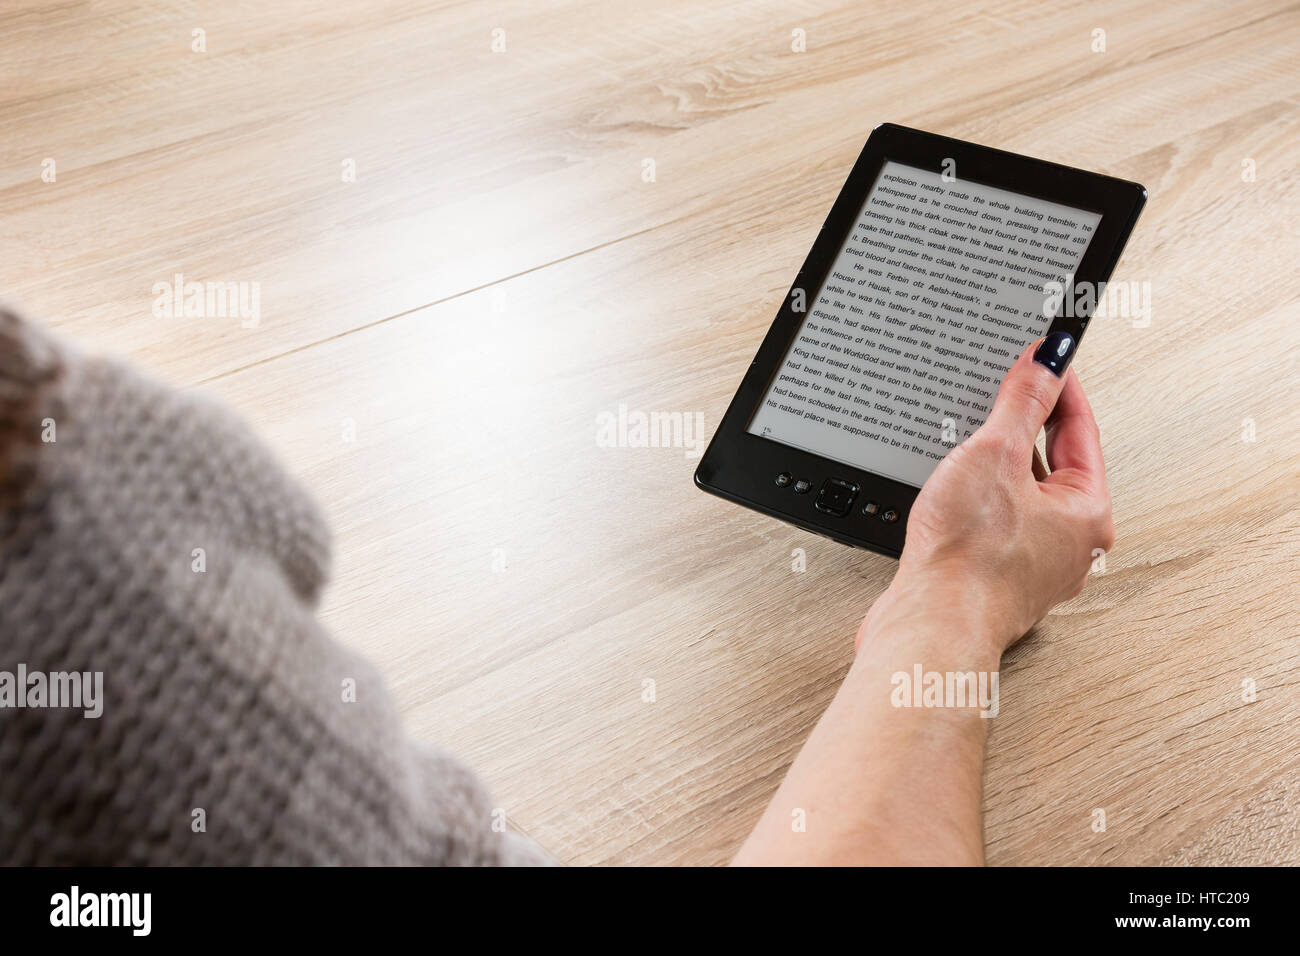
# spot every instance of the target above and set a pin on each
(147, 538)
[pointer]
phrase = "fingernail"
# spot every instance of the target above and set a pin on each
(1055, 352)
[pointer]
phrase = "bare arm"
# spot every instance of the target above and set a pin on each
(877, 783)
(891, 774)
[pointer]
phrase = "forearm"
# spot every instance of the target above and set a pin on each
(885, 777)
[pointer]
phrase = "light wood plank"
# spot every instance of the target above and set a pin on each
(500, 275)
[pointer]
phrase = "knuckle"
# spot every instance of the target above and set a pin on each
(983, 447)
(1101, 524)
(980, 444)
(999, 454)
(1035, 395)
(1108, 535)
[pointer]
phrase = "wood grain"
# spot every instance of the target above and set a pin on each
(500, 274)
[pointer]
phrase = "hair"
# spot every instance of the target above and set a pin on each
(30, 371)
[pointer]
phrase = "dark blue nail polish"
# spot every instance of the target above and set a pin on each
(1055, 352)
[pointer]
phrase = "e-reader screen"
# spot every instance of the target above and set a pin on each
(939, 286)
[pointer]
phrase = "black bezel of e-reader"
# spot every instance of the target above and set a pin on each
(761, 473)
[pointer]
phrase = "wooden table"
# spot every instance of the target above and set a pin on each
(562, 209)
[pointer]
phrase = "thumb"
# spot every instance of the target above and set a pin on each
(1031, 388)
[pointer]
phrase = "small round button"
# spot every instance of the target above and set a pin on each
(891, 516)
(782, 480)
(802, 486)
(870, 508)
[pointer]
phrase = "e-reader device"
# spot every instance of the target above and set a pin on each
(939, 263)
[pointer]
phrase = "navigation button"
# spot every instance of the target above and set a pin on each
(836, 496)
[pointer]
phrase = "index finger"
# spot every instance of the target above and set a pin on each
(1073, 440)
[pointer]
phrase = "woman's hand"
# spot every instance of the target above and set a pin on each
(990, 536)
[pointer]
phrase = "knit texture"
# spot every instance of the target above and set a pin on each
(229, 733)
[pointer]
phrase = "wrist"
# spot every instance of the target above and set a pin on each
(934, 653)
(925, 612)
